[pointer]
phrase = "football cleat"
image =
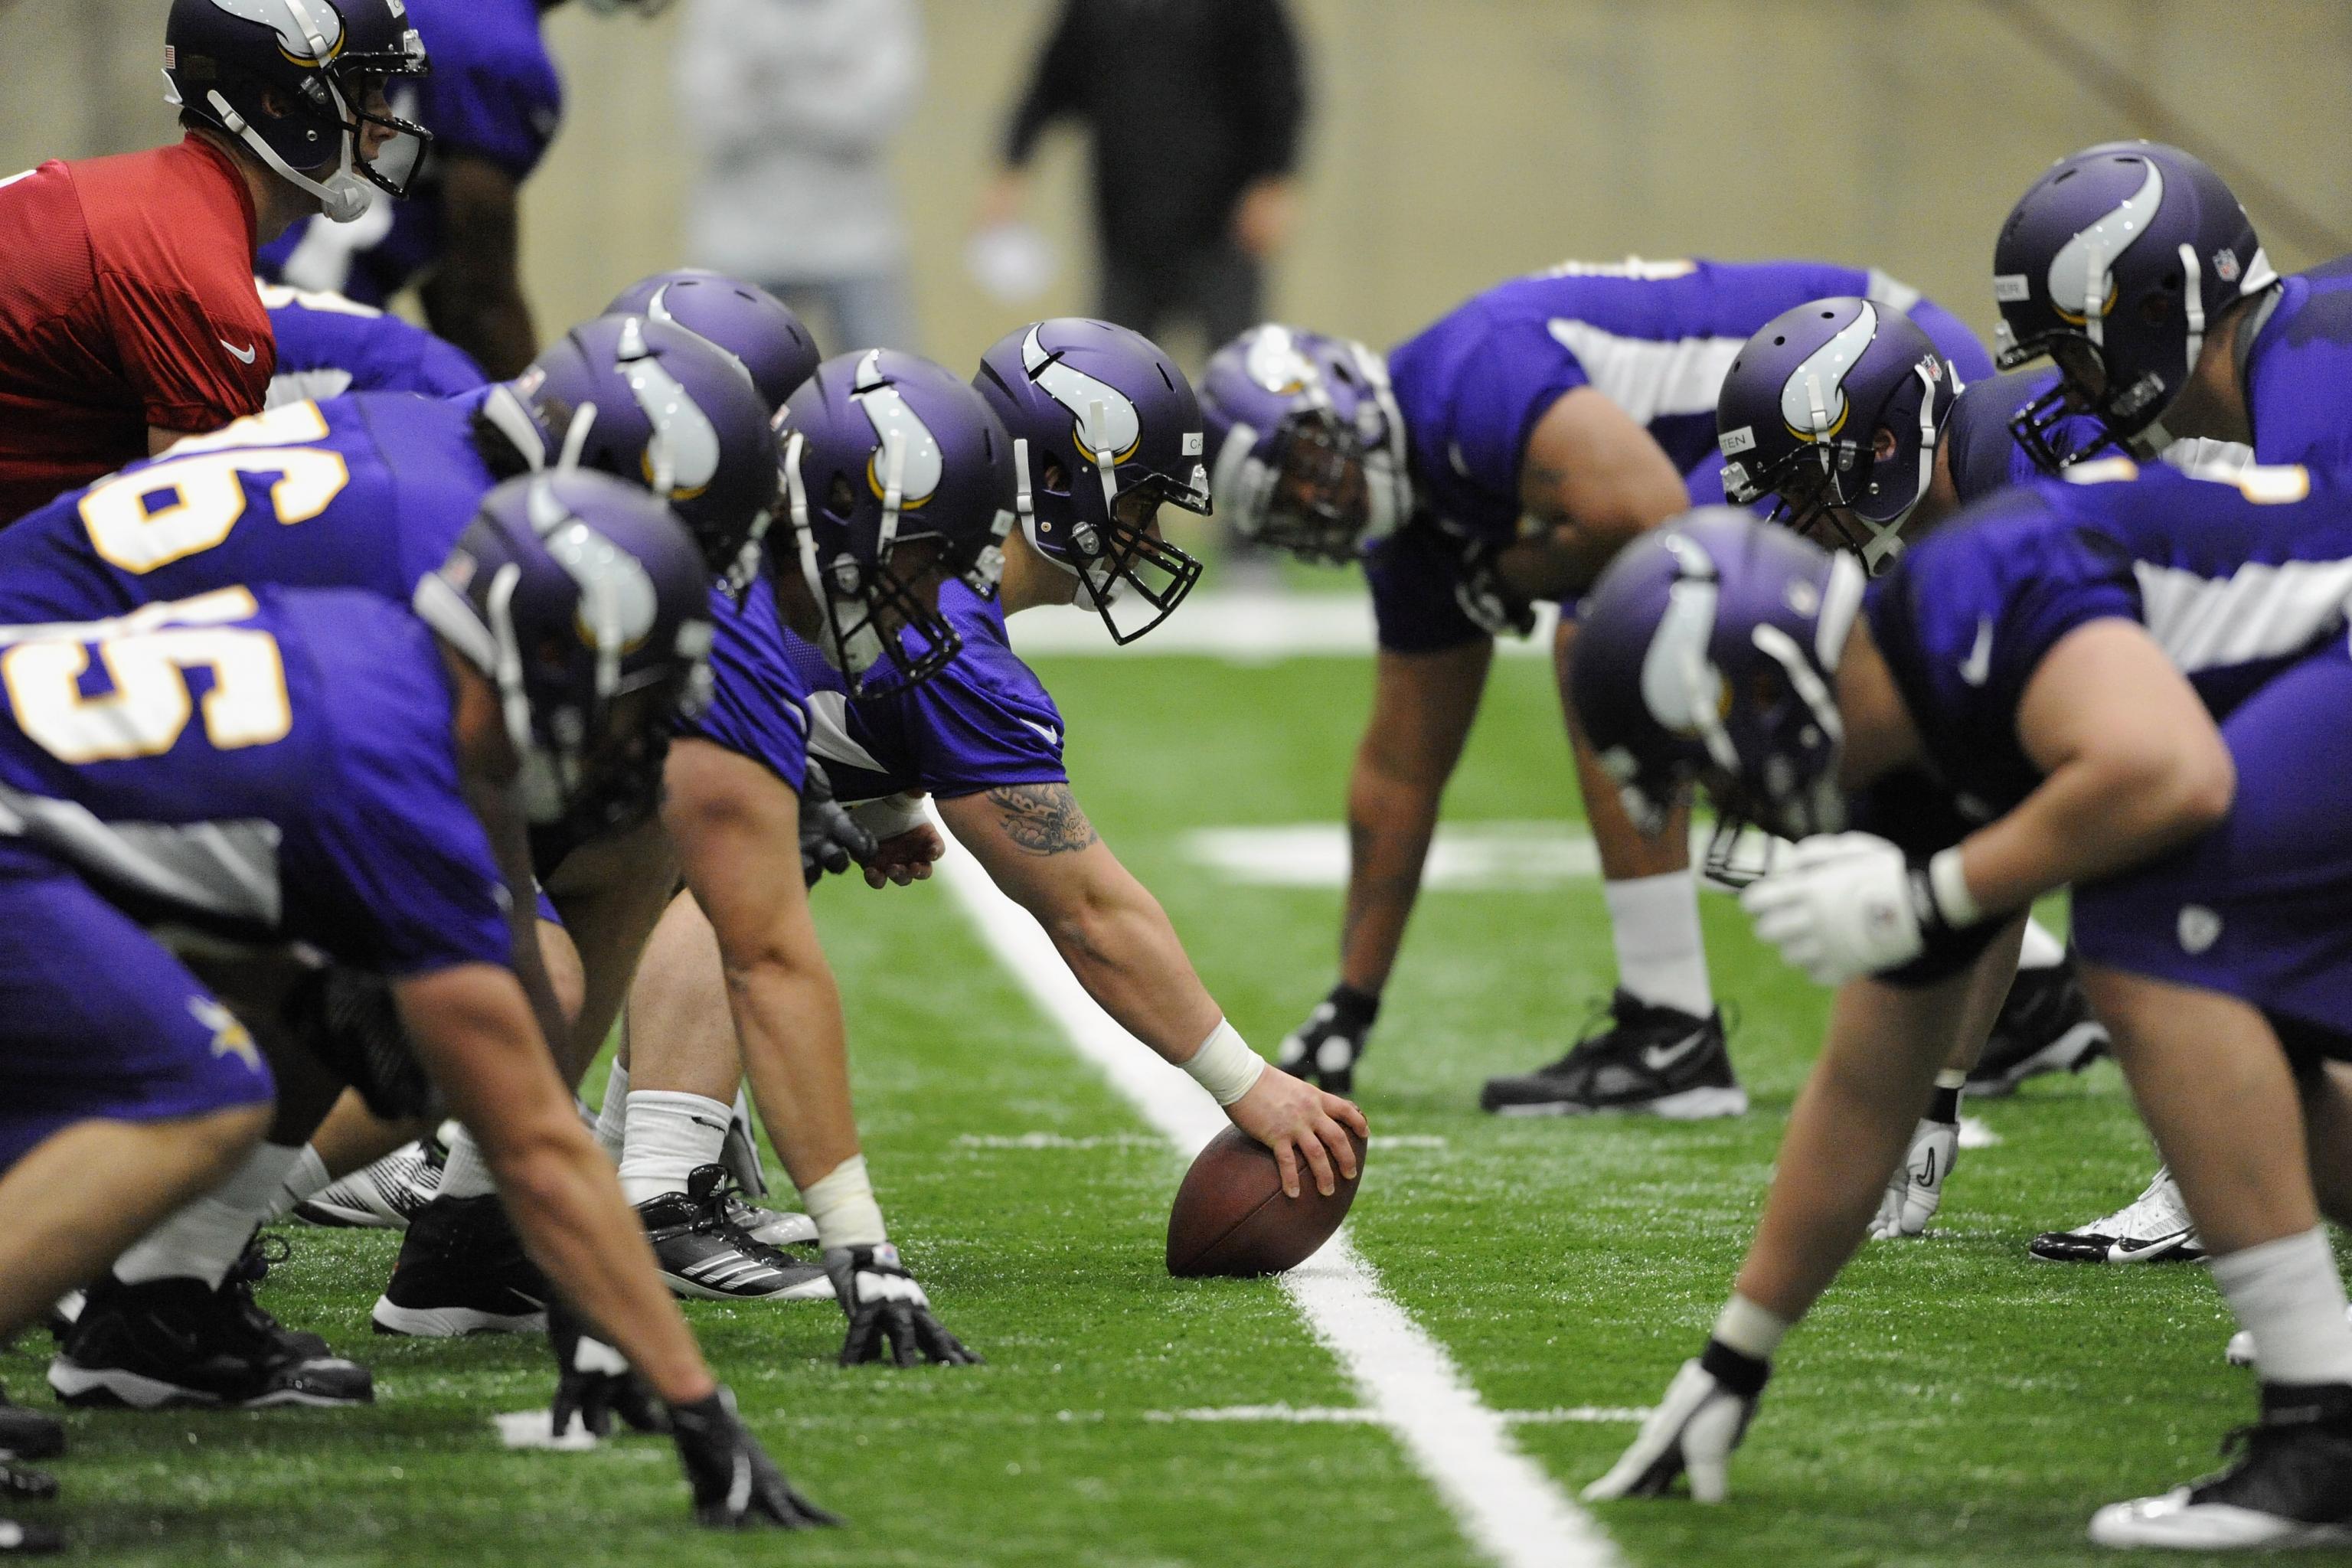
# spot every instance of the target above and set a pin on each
(2045, 1026)
(1327, 1046)
(1654, 1061)
(2292, 1486)
(462, 1270)
(2154, 1226)
(770, 1227)
(27, 1433)
(703, 1256)
(167, 1343)
(18, 1485)
(384, 1196)
(2239, 1351)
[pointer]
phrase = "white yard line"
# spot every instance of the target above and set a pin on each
(1357, 1416)
(1509, 1505)
(1245, 627)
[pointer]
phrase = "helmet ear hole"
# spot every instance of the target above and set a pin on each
(840, 497)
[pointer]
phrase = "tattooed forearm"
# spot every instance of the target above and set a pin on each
(1041, 818)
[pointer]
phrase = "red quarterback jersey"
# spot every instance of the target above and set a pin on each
(127, 301)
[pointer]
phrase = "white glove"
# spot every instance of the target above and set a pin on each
(1916, 1188)
(1701, 1419)
(1843, 905)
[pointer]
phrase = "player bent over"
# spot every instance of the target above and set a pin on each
(2030, 699)
(1499, 458)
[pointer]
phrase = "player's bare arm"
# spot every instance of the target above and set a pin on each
(475, 298)
(1591, 478)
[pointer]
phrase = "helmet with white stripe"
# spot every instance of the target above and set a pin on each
(741, 320)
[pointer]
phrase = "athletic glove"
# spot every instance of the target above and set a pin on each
(1325, 1048)
(1479, 591)
(593, 1381)
(1844, 905)
(1916, 1189)
(736, 1485)
(830, 836)
(886, 1307)
(1703, 1415)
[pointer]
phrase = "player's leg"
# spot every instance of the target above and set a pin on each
(2045, 1026)
(1662, 1050)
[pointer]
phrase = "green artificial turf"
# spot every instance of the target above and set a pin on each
(1951, 1401)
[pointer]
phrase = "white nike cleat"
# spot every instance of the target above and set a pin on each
(2240, 1352)
(2154, 1226)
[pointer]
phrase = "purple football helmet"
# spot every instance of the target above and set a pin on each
(1308, 447)
(883, 450)
(587, 603)
(1708, 652)
(659, 407)
(325, 59)
(1105, 429)
(741, 320)
(2115, 264)
(1800, 410)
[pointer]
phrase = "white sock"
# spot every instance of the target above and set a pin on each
(2286, 1294)
(612, 1117)
(466, 1174)
(669, 1135)
(306, 1178)
(1661, 956)
(206, 1236)
(2041, 949)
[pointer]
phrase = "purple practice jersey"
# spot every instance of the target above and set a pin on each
(985, 722)
(2298, 370)
(492, 94)
(328, 345)
(268, 764)
(366, 492)
(758, 697)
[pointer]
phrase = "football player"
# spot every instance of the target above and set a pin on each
(1107, 431)
(266, 814)
(328, 345)
(2114, 684)
(494, 100)
(1499, 458)
(127, 312)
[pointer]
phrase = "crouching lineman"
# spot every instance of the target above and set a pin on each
(1107, 430)
(2028, 700)
(1499, 458)
(562, 633)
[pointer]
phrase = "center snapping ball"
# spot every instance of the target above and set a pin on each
(1230, 1217)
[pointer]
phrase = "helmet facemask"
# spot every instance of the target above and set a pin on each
(1128, 575)
(866, 613)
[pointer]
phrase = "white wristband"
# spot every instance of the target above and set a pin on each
(889, 816)
(1750, 1330)
(843, 1206)
(1954, 902)
(1224, 1065)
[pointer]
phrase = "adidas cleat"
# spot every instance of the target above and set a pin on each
(462, 1270)
(2292, 1487)
(702, 1255)
(176, 1342)
(1649, 1060)
(2044, 1026)
(386, 1196)
(2153, 1227)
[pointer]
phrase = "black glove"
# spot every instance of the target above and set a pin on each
(351, 1023)
(1693, 1431)
(1479, 591)
(593, 1382)
(1326, 1047)
(830, 837)
(736, 1485)
(884, 1304)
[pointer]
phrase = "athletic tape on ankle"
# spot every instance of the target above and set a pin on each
(842, 1203)
(1224, 1065)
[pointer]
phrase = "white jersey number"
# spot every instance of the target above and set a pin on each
(188, 501)
(151, 701)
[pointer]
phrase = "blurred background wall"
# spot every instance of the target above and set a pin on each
(1453, 142)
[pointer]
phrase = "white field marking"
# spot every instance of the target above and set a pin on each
(1975, 1134)
(1510, 1509)
(1356, 1416)
(1245, 627)
(1030, 1141)
(1465, 857)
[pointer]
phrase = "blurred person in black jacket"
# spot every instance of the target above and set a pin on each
(1195, 109)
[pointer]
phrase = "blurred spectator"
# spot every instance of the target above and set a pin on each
(1195, 109)
(792, 104)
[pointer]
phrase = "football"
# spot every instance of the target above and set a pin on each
(1231, 1216)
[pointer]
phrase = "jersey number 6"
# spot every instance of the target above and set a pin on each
(151, 701)
(181, 505)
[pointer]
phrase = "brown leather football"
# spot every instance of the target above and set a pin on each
(1230, 1217)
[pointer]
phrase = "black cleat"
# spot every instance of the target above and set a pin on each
(1326, 1047)
(2045, 1026)
(26, 1540)
(2154, 1227)
(27, 1433)
(703, 1254)
(1654, 1061)
(462, 1270)
(2292, 1485)
(182, 1342)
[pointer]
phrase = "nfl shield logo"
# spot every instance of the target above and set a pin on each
(2225, 266)
(2199, 928)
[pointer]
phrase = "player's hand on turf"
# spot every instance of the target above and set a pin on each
(1703, 1415)
(1840, 906)
(1916, 1189)
(1326, 1046)
(830, 836)
(736, 1485)
(890, 1316)
(1303, 1126)
(593, 1381)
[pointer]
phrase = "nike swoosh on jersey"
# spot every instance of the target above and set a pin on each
(1659, 1058)
(244, 356)
(1052, 739)
(1979, 664)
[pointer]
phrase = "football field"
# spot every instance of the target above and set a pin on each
(1951, 1401)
